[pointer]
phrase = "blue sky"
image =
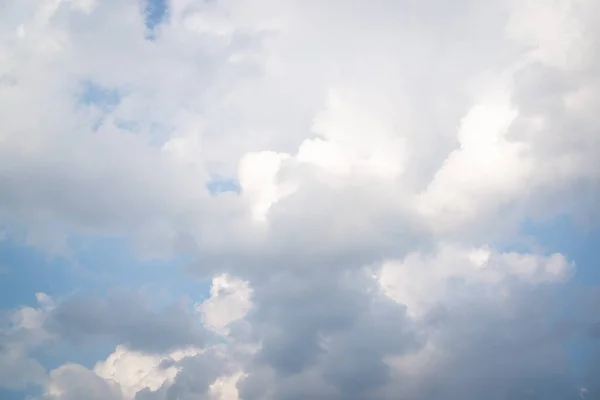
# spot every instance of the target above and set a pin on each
(95, 265)
(156, 12)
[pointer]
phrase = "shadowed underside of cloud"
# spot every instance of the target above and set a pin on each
(127, 319)
(377, 161)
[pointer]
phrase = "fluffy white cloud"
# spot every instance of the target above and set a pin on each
(422, 282)
(134, 371)
(387, 154)
(230, 300)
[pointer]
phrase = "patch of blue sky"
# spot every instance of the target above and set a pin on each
(103, 97)
(581, 352)
(219, 185)
(27, 271)
(111, 263)
(155, 13)
(125, 125)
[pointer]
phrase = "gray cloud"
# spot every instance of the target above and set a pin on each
(487, 349)
(125, 318)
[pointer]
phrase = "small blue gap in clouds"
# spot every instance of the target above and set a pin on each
(131, 126)
(106, 99)
(219, 185)
(155, 13)
(103, 97)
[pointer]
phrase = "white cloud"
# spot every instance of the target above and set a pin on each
(225, 388)
(486, 170)
(557, 38)
(425, 281)
(258, 179)
(355, 137)
(230, 300)
(134, 371)
(139, 375)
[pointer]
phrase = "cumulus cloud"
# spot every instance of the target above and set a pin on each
(135, 371)
(230, 300)
(387, 155)
(422, 281)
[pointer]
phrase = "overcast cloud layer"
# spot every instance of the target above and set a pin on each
(355, 178)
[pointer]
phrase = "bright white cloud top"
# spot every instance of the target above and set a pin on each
(381, 163)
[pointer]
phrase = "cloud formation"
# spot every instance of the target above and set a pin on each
(127, 319)
(387, 153)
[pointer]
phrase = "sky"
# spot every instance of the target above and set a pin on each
(286, 200)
